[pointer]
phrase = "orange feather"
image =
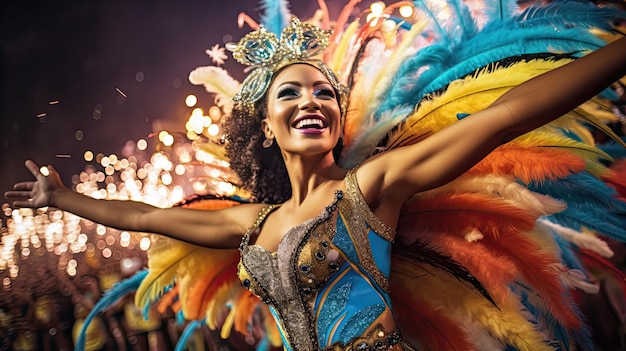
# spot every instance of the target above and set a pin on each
(459, 213)
(530, 163)
(503, 227)
(167, 300)
(616, 177)
(204, 279)
(494, 270)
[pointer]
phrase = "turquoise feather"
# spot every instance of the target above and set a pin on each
(109, 298)
(591, 204)
(181, 344)
(446, 61)
(276, 15)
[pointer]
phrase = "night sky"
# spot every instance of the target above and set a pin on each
(111, 71)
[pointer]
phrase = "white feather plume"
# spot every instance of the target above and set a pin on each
(216, 80)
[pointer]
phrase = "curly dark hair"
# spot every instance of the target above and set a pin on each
(261, 170)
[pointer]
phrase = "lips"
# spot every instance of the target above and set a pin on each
(310, 124)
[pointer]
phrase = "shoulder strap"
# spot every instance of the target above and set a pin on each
(263, 213)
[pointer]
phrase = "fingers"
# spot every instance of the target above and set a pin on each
(24, 186)
(21, 204)
(17, 194)
(32, 167)
(21, 198)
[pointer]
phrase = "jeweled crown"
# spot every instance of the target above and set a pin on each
(267, 54)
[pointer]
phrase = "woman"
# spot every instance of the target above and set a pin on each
(321, 258)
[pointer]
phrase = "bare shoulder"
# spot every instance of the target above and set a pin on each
(208, 227)
(380, 195)
(245, 214)
(373, 180)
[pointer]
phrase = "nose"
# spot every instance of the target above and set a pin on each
(309, 102)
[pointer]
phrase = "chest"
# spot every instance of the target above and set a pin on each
(282, 219)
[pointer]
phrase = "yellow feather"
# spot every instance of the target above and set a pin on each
(468, 95)
(205, 264)
(164, 256)
(506, 323)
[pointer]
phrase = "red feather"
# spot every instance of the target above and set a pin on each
(616, 177)
(420, 321)
(601, 264)
(494, 270)
(459, 213)
(503, 226)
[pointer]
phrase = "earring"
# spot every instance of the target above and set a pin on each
(268, 142)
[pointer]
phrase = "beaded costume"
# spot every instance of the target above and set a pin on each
(328, 282)
(491, 261)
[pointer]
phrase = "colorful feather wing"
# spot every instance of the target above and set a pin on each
(201, 284)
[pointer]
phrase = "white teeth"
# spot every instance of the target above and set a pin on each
(310, 122)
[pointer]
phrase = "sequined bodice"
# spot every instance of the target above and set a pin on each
(327, 284)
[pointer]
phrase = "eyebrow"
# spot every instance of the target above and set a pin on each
(296, 83)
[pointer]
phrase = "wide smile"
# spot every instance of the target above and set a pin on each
(310, 124)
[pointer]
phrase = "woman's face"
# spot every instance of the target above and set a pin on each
(303, 114)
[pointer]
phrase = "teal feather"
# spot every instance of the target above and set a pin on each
(506, 44)
(501, 10)
(181, 344)
(558, 331)
(276, 15)
(446, 62)
(590, 203)
(569, 13)
(568, 255)
(578, 219)
(614, 149)
(109, 298)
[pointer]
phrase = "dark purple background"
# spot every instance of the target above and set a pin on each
(79, 52)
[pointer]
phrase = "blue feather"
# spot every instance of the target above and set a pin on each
(109, 298)
(186, 334)
(580, 337)
(446, 61)
(500, 10)
(264, 344)
(276, 15)
(614, 149)
(557, 330)
(568, 13)
(469, 57)
(590, 203)
(180, 317)
(438, 30)
(582, 189)
(568, 255)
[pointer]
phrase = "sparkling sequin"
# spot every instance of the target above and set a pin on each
(335, 304)
(362, 320)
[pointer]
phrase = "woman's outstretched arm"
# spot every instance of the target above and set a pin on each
(216, 229)
(450, 152)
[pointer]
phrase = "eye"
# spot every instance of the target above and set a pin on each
(324, 93)
(286, 92)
